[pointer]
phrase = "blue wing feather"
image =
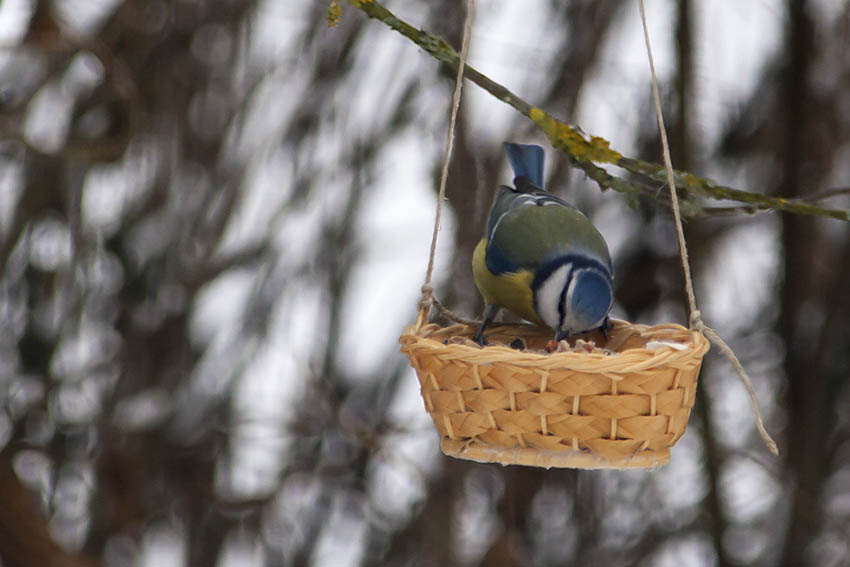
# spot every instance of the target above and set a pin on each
(526, 229)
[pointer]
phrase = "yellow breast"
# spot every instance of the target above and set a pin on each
(511, 291)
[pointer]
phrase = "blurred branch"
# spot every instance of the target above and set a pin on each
(588, 152)
(716, 524)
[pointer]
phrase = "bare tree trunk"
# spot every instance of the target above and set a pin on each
(808, 406)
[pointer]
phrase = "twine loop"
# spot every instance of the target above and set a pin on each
(428, 298)
(696, 321)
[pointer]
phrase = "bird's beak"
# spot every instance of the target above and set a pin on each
(560, 335)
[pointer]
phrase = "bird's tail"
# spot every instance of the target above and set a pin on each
(527, 161)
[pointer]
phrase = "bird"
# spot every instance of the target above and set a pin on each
(540, 257)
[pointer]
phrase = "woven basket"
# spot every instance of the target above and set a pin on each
(623, 409)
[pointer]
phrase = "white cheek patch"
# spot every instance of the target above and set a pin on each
(549, 296)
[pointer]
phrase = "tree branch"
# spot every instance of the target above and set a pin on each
(588, 152)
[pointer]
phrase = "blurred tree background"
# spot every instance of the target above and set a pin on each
(214, 221)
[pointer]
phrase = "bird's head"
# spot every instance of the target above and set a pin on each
(573, 294)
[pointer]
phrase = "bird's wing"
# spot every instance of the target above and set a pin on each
(509, 200)
(526, 229)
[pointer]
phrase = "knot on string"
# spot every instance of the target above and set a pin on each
(428, 300)
(427, 297)
(696, 320)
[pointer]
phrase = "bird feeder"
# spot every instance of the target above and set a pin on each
(624, 405)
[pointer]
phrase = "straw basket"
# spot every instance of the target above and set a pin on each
(623, 408)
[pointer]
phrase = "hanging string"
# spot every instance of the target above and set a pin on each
(696, 322)
(427, 289)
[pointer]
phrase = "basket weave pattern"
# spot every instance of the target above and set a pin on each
(498, 404)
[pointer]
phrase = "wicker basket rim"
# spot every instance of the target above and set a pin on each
(422, 335)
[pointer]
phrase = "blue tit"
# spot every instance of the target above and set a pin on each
(541, 258)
